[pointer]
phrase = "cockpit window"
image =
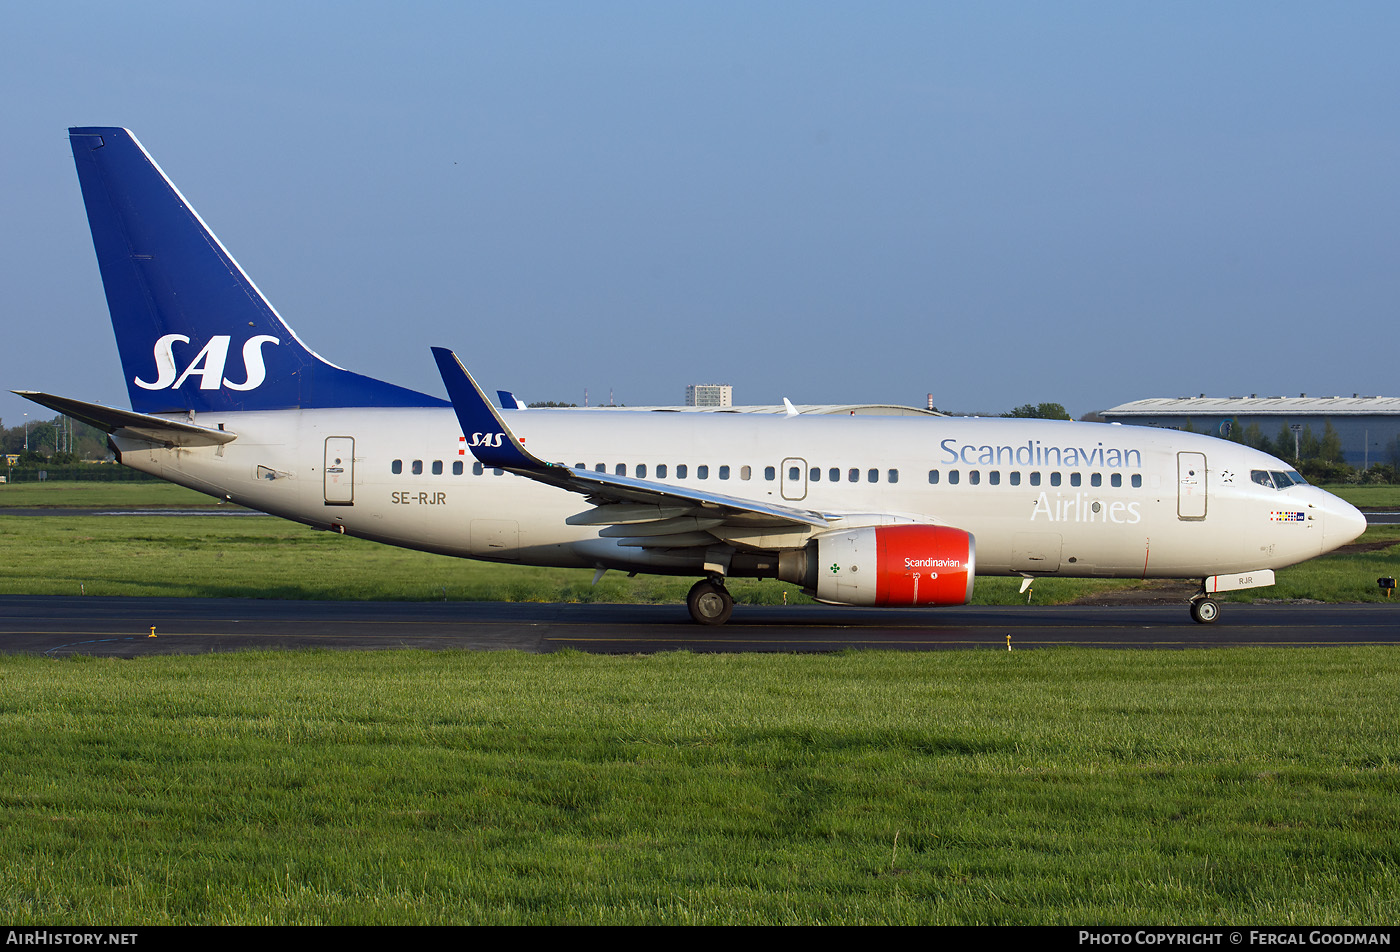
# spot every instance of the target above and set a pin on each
(1274, 479)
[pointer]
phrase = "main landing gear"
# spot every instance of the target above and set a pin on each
(710, 602)
(1204, 610)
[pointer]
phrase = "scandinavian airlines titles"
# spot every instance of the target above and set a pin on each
(1082, 507)
(1036, 453)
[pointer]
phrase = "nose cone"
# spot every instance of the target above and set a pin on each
(1341, 523)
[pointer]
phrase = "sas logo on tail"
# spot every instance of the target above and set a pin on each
(208, 364)
(487, 439)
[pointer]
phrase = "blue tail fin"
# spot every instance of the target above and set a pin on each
(193, 331)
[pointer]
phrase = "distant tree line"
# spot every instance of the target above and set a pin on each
(57, 440)
(1039, 411)
(1318, 457)
(60, 448)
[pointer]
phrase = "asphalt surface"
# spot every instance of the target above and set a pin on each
(121, 627)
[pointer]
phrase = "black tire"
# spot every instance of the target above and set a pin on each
(1204, 611)
(710, 603)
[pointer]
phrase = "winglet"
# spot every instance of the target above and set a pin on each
(509, 401)
(488, 437)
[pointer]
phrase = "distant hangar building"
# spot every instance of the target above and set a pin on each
(1369, 427)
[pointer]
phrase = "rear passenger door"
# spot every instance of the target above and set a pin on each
(339, 471)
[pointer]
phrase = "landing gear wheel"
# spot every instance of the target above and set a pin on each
(709, 602)
(1204, 611)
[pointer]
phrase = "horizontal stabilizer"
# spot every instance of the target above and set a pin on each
(141, 426)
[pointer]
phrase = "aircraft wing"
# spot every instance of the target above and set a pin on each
(638, 512)
(141, 426)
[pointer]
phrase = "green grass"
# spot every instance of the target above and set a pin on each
(1339, 577)
(96, 494)
(1367, 497)
(1061, 786)
(263, 557)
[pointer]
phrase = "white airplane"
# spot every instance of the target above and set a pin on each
(893, 511)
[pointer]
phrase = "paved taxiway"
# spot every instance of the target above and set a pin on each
(120, 627)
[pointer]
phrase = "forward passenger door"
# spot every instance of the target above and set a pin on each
(1191, 485)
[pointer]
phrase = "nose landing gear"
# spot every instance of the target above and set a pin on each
(1204, 611)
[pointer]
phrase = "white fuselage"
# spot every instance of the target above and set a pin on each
(1040, 497)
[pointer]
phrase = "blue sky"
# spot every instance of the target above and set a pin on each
(996, 203)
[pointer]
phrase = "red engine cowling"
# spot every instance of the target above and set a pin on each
(896, 565)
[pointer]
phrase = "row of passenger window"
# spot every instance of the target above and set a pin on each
(834, 475)
(993, 477)
(416, 468)
(664, 471)
(770, 473)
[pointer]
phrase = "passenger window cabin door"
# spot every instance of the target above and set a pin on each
(793, 475)
(339, 471)
(1191, 485)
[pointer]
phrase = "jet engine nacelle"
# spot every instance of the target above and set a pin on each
(895, 565)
